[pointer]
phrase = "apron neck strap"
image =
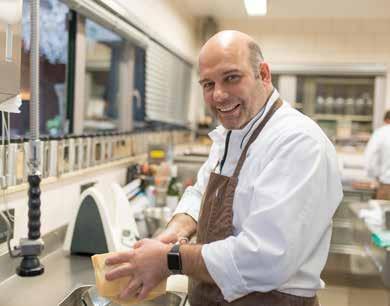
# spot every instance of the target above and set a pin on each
(278, 103)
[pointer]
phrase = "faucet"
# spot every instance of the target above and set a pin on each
(30, 248)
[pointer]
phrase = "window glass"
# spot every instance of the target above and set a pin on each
(103, 58)
(139, 88)
(53, 62)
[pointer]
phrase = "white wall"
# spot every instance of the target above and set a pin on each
(320, 40)
(166, 19)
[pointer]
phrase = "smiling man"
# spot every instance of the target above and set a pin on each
(236, 82)
(263, 202)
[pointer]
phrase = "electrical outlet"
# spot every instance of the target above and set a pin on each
(9, 214)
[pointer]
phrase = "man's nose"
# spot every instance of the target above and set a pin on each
(219, 94)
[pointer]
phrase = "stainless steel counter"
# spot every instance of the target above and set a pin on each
(379, 256)
(62, 274)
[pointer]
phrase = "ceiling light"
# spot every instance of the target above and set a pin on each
(256, 7)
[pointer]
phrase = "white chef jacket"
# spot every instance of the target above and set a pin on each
(377, 155)
(288, 190)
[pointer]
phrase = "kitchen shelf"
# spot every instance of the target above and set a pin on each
(358, 118)
(342, 106)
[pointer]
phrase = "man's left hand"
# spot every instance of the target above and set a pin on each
(146, 265)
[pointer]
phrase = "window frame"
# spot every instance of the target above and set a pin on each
(125, 85)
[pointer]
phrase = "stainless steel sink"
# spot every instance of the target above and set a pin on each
(86, 296)
(75, 297)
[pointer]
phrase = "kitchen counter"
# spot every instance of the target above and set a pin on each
(363, 230)
(63, 273)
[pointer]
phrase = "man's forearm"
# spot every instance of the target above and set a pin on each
(182, 225)
(193, 264)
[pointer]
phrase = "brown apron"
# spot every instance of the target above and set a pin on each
(383, 192)
(216, 223)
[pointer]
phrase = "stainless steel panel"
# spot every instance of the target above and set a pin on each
(343, 211)
(343, 232)
(52, 240)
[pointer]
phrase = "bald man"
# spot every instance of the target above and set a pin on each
(263, 202)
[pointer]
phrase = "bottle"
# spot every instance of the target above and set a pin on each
(173, 191)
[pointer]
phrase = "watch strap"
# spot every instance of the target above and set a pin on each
(174, 260)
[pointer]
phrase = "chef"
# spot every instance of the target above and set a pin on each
(263, 202)
(377, 157)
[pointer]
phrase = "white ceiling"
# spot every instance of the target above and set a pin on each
(234, 9)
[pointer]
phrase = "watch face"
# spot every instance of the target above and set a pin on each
(174, 261)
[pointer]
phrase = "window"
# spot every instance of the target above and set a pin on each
(53, 66)
(104, 50)
(139, 88)
(168, 80)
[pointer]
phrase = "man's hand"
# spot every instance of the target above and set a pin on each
(167, 236)
(179, 229)
(146, 264)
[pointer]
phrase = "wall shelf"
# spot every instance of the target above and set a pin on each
(336, 117)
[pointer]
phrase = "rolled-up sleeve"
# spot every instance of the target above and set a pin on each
(292, 201)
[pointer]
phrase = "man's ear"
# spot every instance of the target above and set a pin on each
(265, 73)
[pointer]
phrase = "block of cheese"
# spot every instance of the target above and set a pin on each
(111, 289)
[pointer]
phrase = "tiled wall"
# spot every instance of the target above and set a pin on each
(320, 41)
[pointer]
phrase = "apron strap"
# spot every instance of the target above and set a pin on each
(278, 103)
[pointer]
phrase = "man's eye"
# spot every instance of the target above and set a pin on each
(208, 85)
(232, 78)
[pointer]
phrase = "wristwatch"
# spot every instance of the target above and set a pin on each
(174, 260)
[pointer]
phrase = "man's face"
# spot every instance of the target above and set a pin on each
(231, 89)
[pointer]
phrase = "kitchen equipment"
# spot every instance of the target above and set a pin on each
(87, 295)
(157, 218)
(91, 297)
(138, 202)
(102, 222)
(69, 153)
(60, 155)
(97, 150)
(45, 156)
(87, 150)
(20, 158)
(11, 162)
(78, 152)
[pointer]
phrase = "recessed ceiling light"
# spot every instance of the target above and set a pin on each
(256, 7)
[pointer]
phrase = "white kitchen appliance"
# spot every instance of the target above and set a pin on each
(103, 221)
